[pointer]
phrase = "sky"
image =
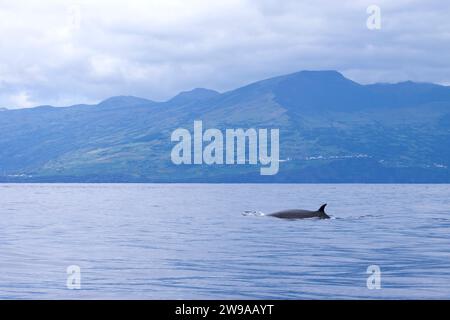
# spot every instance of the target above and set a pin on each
(60, 53)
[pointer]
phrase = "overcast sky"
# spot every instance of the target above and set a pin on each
(67, 52)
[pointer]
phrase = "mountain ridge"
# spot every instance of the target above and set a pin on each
(204, 93)
(332, 129)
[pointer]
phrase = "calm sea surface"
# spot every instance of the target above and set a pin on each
(162, 241)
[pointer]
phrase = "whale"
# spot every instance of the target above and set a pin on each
(295, 214)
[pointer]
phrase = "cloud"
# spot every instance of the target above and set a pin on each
(66, 52)
(21, 99)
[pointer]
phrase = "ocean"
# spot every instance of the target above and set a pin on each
(192, 241)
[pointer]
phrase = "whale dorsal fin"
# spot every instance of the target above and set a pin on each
(322, 208)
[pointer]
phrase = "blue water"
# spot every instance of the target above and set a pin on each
(192, 242)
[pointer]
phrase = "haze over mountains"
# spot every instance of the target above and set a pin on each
(332, 129)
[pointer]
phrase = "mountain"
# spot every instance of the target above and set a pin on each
(332, 129)
(194, 95)
(124, 102)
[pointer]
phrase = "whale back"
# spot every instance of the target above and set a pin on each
(301, 214)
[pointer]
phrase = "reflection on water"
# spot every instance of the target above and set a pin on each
(192, 241)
